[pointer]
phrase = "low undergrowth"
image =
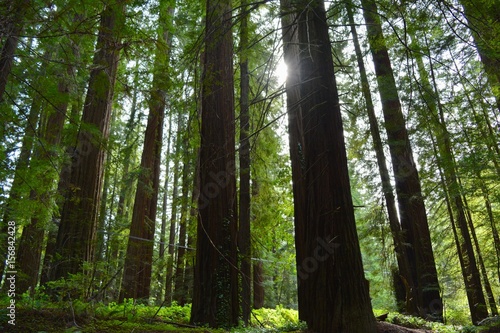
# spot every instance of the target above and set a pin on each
(42, 315)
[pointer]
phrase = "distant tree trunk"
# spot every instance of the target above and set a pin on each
(436, 121)
(191, 240)
(180, 291)
(169, 278)
(16, 190)
(295, 136)
(77, 231)
(62, 188)
(425, 295)
(403, 271)
(258, 288)
(491, 218)
(161, 251)
(215, 294)
(136, 282)
(480, 261)
(180, 294)
(244, 245)
(335, 291)
(31, 242)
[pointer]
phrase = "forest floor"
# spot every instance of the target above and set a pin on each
(119, 319)
(383, 327)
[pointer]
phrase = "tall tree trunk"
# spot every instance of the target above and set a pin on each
(295, 136)
(76, 237)
(244, 245)
(62, 188)
(215, 294)
(436, 121)
(425, 293)
(161, 251)
(137, 270)
(403, 271)
(331, 273)
(31, 242)
(16, 190)
(180, 293)
(169, 278)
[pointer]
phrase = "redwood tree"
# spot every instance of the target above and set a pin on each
(139, 257)
(215, 294)
(423, 296)
(335, 292)
(77, 230)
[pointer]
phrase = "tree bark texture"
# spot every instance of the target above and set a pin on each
(403, 270)
(77, 231)
(215, 294)
(424, 296)
(335, 293)
(136, 282)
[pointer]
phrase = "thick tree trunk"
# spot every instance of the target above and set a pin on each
(76, 237)
(403, 271)
(425, 295)
(331, 273)
(215, 294)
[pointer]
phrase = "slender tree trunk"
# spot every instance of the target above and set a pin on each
(436, 121)
(16, 190)
(180, 294)
(335, 291)
(169, 278)
(403, 271)
(258, 285)
(480, 261)
(215, 294)
(137, 270)
(425, 292)
(76, 237)
(161, 251)
(180, 291)
(491, 218)
(244, 245)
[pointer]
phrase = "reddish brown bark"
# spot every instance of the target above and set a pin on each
(335, 293)
(76, 237)
(423, 295)
(215, 294)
